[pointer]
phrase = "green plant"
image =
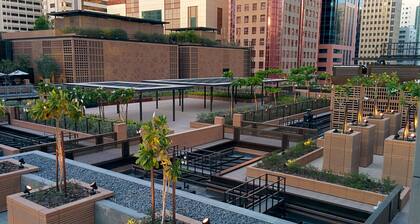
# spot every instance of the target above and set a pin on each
(47, 66)
(42, 23)
(56, 106)
(2, 108)
(174, 174)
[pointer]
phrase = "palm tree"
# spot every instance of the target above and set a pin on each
(56, 106)
(152, 149)
(2, 108)
(126, 97)
(174, 174)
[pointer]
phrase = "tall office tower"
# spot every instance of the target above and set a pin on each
(417, 23)
(408, 12)
(359, 26)
(282, 33)
(207, 17)
(66, 5)
(19, 15)
(337, 41)
(379, 27)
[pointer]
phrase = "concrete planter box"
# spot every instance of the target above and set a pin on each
(10, 182)
(381, 133)
(398, 160)
(309, 157)
(336, 190)
(23, 211)
(342, 152)
(394, 122)
(367, 143)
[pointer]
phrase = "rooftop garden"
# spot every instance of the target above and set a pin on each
(285, 162)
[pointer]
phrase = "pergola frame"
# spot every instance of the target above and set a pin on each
(211, 83)
(140, 88)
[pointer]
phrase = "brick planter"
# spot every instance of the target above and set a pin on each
(23, 211)
(381, 133)
(341, 152)
(10, 182)
(367, 141)
(394, 122)
(398, 160)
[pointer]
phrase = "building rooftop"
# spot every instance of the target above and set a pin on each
(193, 29)
(71, 13)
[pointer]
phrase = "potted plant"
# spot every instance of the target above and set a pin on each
(10, 174)
(50, 203)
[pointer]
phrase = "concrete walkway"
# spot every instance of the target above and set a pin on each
(192, 107)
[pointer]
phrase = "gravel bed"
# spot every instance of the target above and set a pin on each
(137, 196)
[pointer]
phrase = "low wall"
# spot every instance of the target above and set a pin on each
(197, 136)
(336, 190)
(309, 157)
(196, 124)
(44, 128)
(7, 150)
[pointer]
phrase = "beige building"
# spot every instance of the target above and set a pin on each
(380, 25)
(282, 33)
(19, 15)
(182, 14)
(50, 6)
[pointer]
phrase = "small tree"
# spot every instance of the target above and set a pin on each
(7, 66)
(256, 80)
(42, 23)
(273, 91)
(57, 106)
(2, 108)
(48, 67)
(344, 91)
(153, 150)
(23, 63)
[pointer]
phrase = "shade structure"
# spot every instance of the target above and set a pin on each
(18, 73)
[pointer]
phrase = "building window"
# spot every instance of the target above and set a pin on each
(254, 30)
(254, 19)
(262, 30)
(246, 8)
(262, 18)
(152, 15)
(245, 30)
(322, 69)
(246, 43)
(262, 5)
(261, 65)
(192, 15)
(246, 19)
(239, 8)
(254, 7)
(337, 51)
(337, 60)
(323, 51)
(253, 42)
(322, 59)
(261, 53)
(238, 20)
(261, 41)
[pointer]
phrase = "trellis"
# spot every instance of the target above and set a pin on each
(399, 102)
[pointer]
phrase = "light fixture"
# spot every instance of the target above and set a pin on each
(350, 130)
(27, 190)
(206, 221)
(335, 130)
(93, 188)
(21, 162)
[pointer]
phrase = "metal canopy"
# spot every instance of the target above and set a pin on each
(141, 87)
(217, 81)
(213, 82)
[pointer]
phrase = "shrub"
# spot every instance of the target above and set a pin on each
(285, 162)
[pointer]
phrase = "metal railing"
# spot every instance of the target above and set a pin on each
(259, 194)
(387, 209)
(281, 111)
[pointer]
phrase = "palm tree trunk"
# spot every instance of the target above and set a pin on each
(165, 184)
(126, 112)
(62, 185)
(152, 190)
(174, 202)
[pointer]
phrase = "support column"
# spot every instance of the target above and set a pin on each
(157, 99)
(211, 98)
(205, 96)
(141, 106)
(179, 97)
(173, 104)
(414, 214)
(262, 93)
(182, 100)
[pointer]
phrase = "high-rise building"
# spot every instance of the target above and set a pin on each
(19, 15)
(67, 5)
(204, 16)
(337, 41)
(417, 23)
(117, 7)
(380, 25)
(282, 33)
(408, 12)
(407, 37)
(358, 27)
